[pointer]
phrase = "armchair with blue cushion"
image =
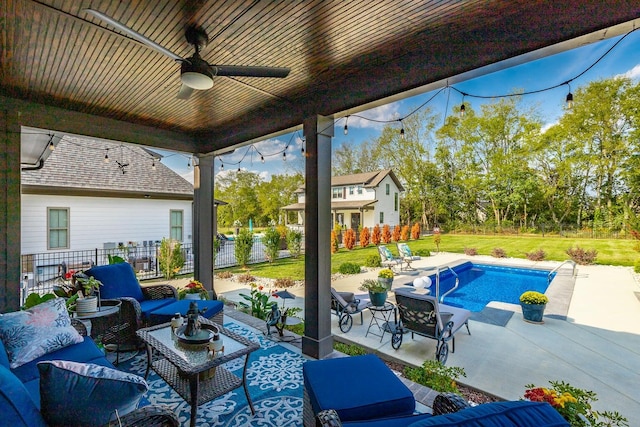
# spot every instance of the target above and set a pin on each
(119, 281)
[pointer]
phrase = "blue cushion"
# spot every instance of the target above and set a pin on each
(345, 384)
(150, 305)
(208, 309)
(500, 414)
(83, 394)
(118, 280)
(39, 330)
(402, 421)
(86, 351)
(4, 358)
(16, 407)
(387, 253)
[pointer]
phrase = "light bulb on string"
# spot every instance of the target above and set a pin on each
(51, 146)
(346, 126)
(302, 150)
(401, 129)
(153, 164)
(221, 166)
(106, 156)
(238, 168)
(463, 108)
(261, 158)
(284, 156)
(189, 164)
(569, 100)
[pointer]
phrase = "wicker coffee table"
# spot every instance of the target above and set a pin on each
(191, 371)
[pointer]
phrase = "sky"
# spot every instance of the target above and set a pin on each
(622, 60)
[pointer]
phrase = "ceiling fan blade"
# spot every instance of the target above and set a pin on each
(134, 34)
(249, 71)
(185, 92)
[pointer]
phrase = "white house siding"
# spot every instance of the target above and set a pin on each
(386, 204)
(94, 221)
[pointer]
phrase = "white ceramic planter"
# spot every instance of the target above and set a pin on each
(87, 305)
(192, 296)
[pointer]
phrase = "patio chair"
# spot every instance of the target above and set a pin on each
(120, 282)
(406, 255)
(345, 305)
(422, 314)
(387, 259)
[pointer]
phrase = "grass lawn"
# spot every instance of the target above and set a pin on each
(610, 252)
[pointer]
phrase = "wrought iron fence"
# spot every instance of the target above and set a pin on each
(42, 271)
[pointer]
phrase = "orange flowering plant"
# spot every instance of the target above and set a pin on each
(574, 405)
(193, 287)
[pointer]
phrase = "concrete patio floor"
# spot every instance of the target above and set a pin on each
(596, 348)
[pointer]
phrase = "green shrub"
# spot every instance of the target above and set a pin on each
(581, 256)
(636, 266)
(244, 243)
(436, 376)
(294, 242)
(271, 242)
(349, 268)
(423, 252)
(170, 258)
(372, 261)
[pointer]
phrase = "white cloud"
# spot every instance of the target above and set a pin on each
(633, 73)
(383, 113)
(188, 175)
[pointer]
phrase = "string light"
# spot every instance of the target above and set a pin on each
(346, 127)
(106, 156)
(221, 166)
(153, 164)
(261, 158)
(189, 163)
(51, 146)
(284, 156)
(401, 129)
(238, 167)
(569, 97)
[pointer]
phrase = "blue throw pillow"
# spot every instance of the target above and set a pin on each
(40, 330)
(387, 253)
(84, 394)
(118, 280)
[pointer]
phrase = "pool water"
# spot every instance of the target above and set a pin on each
(481, 283)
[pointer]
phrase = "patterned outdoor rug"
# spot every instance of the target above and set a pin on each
(274, 375)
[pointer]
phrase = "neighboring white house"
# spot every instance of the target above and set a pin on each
(97, 194)
(363, 199)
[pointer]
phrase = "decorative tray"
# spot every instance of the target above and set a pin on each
(203, 336)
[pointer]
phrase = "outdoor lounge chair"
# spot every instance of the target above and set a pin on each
(387, 259)
(406, 255)
(422, 314)
(345, 305)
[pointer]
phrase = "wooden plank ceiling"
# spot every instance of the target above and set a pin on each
(342, 54)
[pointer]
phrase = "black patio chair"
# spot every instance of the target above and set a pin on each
(422, 314)
(345, 305)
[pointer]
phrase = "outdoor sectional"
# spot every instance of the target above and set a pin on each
(361, 391)
(74, 377)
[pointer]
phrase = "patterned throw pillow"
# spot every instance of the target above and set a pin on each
(86, 394)
(387, 253)
(44, 328)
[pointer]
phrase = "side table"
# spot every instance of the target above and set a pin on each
(381, 317)
(105, 321)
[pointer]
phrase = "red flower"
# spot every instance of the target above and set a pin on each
(69, 274)
(260, 287)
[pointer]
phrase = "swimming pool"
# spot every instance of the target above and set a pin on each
(481, 283)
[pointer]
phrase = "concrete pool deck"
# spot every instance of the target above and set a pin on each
(596, 348)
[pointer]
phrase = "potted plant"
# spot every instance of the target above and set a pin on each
(87, 301)
(193, 290)
(377, 291)
(386, 276)
(533, 304)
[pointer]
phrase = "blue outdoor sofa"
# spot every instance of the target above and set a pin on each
(73, 378)
(361, 391)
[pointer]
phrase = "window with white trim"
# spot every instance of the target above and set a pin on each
(58, 228)
(176, 225)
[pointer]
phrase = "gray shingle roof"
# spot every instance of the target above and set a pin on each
(77, 165)
(366, 179)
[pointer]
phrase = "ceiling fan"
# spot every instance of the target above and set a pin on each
(195, 72)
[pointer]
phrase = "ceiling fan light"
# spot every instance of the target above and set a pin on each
(196, 80)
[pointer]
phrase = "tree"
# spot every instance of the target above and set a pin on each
(271, 242)
(274, 194)
(240, 191)
(170, 258)
(350, 159)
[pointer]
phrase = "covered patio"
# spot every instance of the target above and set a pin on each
(65, 71)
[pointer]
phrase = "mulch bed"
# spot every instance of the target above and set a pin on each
(469, 393)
